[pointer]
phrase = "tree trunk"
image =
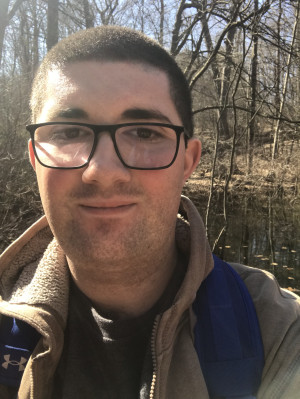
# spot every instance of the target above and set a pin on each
(278, 60)
(3, 23)
(285, 84)
(227, 69)
(52, 23)
(35, 41)
(88, 16)
(5, 17)
(298, 67)
(278, 72)
(253, 86)
(176, 29)
(142, 15)
(222, 115)
(161, 22)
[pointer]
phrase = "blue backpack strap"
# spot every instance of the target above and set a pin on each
(17, 342)
(227, 335)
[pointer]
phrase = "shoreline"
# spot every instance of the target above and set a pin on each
(241, 186)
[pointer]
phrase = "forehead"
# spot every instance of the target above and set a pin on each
(106, 85)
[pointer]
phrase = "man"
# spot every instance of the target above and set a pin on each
(108, 277)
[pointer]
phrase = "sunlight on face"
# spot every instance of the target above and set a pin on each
(59, 86)
(102, 211)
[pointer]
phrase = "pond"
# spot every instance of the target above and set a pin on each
(263, 233)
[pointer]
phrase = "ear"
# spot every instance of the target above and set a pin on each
(192, 157)
(31, 154)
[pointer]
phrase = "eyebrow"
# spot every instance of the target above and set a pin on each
(71, 113)
(131, 114)
(143, 113)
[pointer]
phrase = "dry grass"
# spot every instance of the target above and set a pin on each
(280, 178)
(19, 199)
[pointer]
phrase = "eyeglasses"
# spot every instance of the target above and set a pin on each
(144, 146)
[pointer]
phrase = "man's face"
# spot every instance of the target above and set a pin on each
(106, 212)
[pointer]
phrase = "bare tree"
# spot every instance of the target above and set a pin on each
(5, 16)
(88, 15)
(107, 10)
(285, 83)
(161, 22)
(253, 86)
(52, 23)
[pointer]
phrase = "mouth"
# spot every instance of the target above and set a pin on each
(108, 209)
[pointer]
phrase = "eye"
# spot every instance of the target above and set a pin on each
(144, 133)
(68, 133)
(72, 133)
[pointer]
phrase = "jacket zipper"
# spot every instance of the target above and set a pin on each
(32, 394)
(153, 354)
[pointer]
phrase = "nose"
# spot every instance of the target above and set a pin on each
(105, 167)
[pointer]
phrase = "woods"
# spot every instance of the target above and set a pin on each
(242, 61)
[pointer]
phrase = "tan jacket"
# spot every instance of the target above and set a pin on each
(34, 288)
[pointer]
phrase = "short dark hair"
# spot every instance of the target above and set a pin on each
(115, 43)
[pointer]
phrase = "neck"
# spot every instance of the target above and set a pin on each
(128, 289)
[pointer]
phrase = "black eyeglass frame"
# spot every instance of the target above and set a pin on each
(111, 129)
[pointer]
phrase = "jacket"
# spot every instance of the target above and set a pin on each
(34, 288)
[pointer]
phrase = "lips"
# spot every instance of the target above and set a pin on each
(107, 204)
(107, 208)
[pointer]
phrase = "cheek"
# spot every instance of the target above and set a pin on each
(164, 185)
(161, 203)
(53, 185)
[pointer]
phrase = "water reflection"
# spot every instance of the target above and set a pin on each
(261, 233)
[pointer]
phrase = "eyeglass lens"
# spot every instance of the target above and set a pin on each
(139, 146)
